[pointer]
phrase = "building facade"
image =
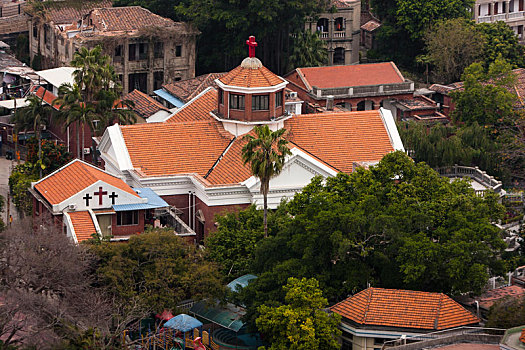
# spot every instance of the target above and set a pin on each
(193, 158)
(340, 30)
(511, 12)
(146, 50)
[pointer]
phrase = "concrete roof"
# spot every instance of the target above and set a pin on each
(58, 76)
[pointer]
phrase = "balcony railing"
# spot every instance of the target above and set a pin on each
(339, 34)
(501, 17)
(323, 35)
(364, 90)
(474, 173)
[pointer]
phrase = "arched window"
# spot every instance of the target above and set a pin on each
(339, 24)
(322, 25)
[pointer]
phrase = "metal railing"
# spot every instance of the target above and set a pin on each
(474, 173)
(364, 90)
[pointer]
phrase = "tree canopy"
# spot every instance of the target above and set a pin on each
(301, 323)
(157, 268)
(395, 225)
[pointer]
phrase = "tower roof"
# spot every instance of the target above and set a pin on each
(251, 74)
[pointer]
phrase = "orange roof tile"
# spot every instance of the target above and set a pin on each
(175, 148)
(48, 96)
(197, 109)
(352, 75)
(73, 178)
(187, 89)
(63, 14)
(251, 77)
(404, 309)
(128, 18)
(83, 225)
(340, 139)
(231, 168)
(143, 104)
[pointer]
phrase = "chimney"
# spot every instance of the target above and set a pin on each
(330, 103)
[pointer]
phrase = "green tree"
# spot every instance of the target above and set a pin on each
(266, 154)
(453, 45)
(158, 268)
(35, 117)
(500, 40)
(301, 323)
(308, 50)
(485, 97)
(507, 313)
(405, 22)
(54, 155)
(226, 24)
(397, 225)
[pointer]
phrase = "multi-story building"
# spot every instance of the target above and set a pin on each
(511, 12)
(340, 30)
(13, 19)
(147, 50)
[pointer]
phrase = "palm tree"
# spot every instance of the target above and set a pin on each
(112, 109)
(308, 51)
(91, 71)
(34, 116)
(74, 110)
(266, 154)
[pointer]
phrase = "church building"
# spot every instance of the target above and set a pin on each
(193, 157)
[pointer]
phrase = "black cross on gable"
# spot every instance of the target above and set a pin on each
(87, 197)
(113, 195)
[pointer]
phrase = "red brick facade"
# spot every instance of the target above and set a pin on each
(247, 114)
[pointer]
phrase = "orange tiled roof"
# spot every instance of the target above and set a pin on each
(128, 18)
(404, 309)
(340, 139)
(197, 109)
(187, 89)
(249, 77)
(144, 105)
(175, 148)
(371, 25)
(231, 168)
(352, 75)
(83, 225)
(48, 96)
(73, 178)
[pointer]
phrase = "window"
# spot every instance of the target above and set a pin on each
(260, 102)
(132, 52)
(178, 50)
(221, 96)
(178, 78)
(236, 101)
(35, 31)
(127, 218)
(158, 50)
(143, 51)
(278, 99)
(158, 80)
(118, 51)
(339, 55)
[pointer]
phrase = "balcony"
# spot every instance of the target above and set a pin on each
(364, 90)
(339, 35)
(323, 35)
(502, 17)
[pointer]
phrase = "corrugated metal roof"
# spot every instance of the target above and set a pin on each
(229, 316)
(169, 97)
(154, 201)
(240, 282)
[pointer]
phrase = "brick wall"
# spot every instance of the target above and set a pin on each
(129, 229)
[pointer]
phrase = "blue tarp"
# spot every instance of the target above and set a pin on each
(183, 323)
(240, 282)
(154, 201)
(169, 97)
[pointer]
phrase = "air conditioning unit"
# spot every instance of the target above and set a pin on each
(72, 207)
(293, 94)
(87, 150)
(9, 138)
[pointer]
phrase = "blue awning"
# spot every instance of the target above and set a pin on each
(183, 323)
(154, 201)
(169, 97)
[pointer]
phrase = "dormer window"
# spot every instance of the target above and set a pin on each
(260, 102)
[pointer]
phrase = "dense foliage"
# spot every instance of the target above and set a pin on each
(158, 269)
(300, 323)
(397, 225)
(507, 313)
